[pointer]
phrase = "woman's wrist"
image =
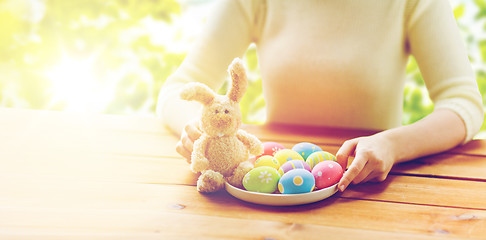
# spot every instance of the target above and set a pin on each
(397, 145)
(438, 132)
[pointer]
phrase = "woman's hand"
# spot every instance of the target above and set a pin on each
(376, 154)
(374, 158)
(189, 135)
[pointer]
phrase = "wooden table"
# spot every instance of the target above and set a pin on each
(75, 176)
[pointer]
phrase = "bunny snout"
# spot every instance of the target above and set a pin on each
(222, 117)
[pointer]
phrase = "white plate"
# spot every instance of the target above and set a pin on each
(281, 199)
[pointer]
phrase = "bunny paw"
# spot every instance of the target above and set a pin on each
(210, 181)
(237, 178)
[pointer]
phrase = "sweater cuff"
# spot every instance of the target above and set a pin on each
(472, 116)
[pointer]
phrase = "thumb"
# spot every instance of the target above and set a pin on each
(345, 151)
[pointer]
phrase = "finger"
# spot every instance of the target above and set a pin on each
(364, 174)
(345, 151)
(354, 170)
(183, 151)
(187, 143)
(192, 131)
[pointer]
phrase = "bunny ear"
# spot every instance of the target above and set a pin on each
(199, 92)
(239, 80)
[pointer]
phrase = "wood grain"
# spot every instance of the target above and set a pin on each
(446, 165)
(403, 189)
(173, 225)
(110, 200)
(423, 191)
(76, 176)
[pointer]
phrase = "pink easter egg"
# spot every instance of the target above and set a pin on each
(270, 148)
(327, 173)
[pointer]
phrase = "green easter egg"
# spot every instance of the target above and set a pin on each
(268, 161)
(261, 179)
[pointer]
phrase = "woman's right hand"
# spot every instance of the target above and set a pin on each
(189, 135)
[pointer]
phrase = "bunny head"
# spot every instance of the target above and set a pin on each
(221, 113)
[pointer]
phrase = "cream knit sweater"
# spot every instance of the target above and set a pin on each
(338, 63)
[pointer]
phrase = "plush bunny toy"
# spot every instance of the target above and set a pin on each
(222, 151)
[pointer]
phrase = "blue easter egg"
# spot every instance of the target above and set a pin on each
(305, 149)
(296, 181)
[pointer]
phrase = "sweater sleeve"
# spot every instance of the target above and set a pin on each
(435, 41)
(227, 34)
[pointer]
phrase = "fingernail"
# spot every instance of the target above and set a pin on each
(342, 188)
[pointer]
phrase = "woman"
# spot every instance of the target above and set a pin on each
(340, 64)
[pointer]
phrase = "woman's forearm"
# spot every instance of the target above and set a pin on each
(441, 130)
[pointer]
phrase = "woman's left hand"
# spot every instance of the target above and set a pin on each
(374, 157)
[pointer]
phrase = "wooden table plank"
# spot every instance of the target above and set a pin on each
(173, 225)
(110, 168)
(474, 147)
(333, 212)
(90, 141)
(122, 168)
(423, 191)
(17, 120)
(446, 165)
(403, 189)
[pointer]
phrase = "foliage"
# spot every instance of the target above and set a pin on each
(39, 37)
(113, 56)
(253, 103)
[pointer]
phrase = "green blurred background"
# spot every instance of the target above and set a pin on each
(113, 56)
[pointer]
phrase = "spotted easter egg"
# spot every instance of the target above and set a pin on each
(261, 179)
(286, 155)
(270, 148)
(305, 149)
(296, 181)
(293, 164)
(327, 173)
(268, 161)
(318, 157)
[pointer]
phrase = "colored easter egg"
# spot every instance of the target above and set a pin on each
(296, 181)
(270, 148)
(305, 149)
(268, 161)
(293, 164)
(286, 155)
(327, 173)
(318, 157)
(261, 179)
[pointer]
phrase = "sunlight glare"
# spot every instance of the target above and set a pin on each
(74, 84)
